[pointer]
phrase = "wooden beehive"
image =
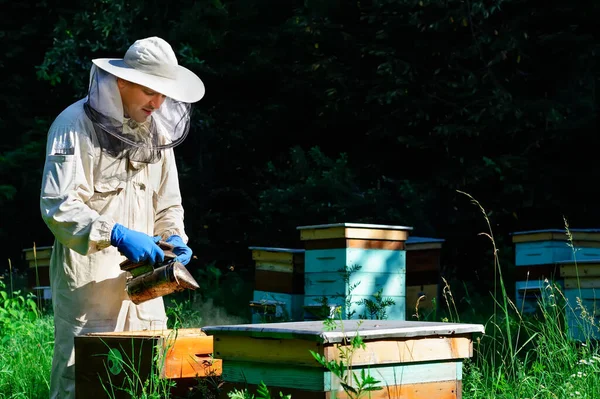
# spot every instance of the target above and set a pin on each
(423, 271)
(582, 293)
(537, 254)
(112, 359)
(334, 249)
(38, 270)
(410, 359)
(279, 284)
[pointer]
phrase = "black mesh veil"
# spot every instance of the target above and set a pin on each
(122, 137)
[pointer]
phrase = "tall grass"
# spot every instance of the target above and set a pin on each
(532, 356)
(26, 345)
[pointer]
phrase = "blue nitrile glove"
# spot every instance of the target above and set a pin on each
(136, 246)
(183, 252)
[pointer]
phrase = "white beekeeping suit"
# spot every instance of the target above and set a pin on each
(104, 169)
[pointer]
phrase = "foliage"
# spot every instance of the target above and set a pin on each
(355, 385)
(262, 392)
(16, 311)
(375, 309)
(26, 344)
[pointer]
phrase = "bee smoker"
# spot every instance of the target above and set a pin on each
(148, 281)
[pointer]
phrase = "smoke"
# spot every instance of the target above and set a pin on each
(213, 315)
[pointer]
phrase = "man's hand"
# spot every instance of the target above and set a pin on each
(136, 246)
(183, 252)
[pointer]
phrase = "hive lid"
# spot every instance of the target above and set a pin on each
(555, 235)
(368, 329)
(273, 249)
(355, 225)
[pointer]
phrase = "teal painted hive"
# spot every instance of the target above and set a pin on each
(582, 295)
(537, 255)
(278, 284)
(409, 359)
(359, 269)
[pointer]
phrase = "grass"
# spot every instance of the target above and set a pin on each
(26, 345)
(533, 356)
(521, 356)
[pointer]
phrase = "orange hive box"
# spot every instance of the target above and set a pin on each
(111, 360)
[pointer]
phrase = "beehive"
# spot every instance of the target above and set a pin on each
(582, 293)
(112, 359)
(423, 271)
(38, 270)
(351, 262)
(410, 359)
(279, 284)
(537, 253)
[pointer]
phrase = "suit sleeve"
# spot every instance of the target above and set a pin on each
(67, 184)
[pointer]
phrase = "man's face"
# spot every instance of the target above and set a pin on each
(139, 101)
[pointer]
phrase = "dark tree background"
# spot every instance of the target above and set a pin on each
(324, 111)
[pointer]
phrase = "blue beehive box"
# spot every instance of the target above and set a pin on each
(355, 267)
(582, 293)
(537, 254)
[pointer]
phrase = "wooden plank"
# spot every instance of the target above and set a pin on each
(273, 266)
(267, 350)
(571, 270)
(286, 283)
(585, 294)
(369, 330)
(432, 390)
(296, 351)
(40, 253)
(353, 230)
(357, 225)
(279, 257)
(397, 311)
(370, 260)
(183, 332)
(556, 236)
(424, 295)
(39, 262)
(543, 236)
(586, 244)
(190, 356)
(423, 246)
(364, 283)
(390, 375)
(582, 282)
(540, 272)
(354, 243)
(317, 379)
(407, 351)
(423, 260)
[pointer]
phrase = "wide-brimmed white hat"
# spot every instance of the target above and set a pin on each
(151, 62)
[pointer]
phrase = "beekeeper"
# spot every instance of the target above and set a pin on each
(110, 189)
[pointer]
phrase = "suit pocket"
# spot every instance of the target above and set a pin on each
(59, 175)
(106, 193)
